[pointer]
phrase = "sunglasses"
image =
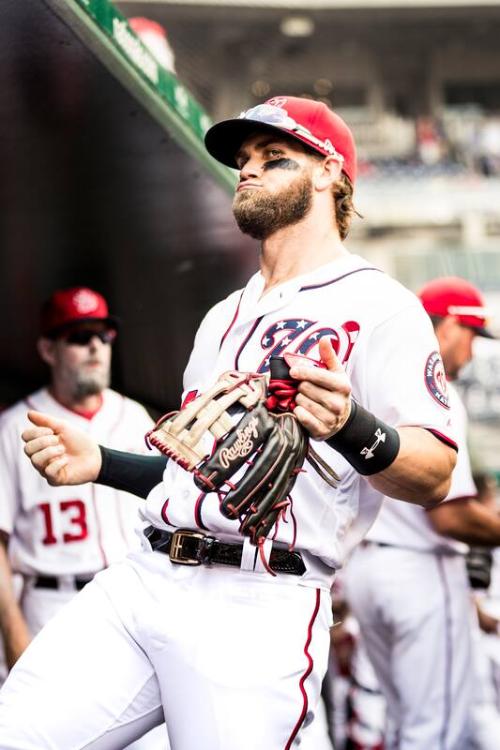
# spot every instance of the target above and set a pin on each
(84, 336)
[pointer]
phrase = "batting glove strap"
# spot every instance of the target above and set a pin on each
(369, 444)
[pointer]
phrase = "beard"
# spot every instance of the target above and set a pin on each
(260, 213)
(90, 383)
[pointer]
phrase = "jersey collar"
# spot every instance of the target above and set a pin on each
(254, 304)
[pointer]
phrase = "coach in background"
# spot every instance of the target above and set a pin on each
(408, 583)
(54, 539)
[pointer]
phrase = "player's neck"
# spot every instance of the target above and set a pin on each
(86, 406)
(299, 249)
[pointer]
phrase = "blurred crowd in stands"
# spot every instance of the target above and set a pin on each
(459, 143)
(464, 140)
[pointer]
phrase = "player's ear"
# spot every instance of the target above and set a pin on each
(46, 351)
(327, 173)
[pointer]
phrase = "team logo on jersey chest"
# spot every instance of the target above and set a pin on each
(301, 336)
(435, 379)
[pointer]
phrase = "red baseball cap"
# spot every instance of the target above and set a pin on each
(140, 25)
(309, 121)
(67, 307)
(451, 295)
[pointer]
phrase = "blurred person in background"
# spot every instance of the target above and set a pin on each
(54, 539)
(483, 565)
(356, 707)
(431, 145)
(488, 147)
(407, 583)
(154, 37)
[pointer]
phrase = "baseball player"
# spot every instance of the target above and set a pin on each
(483, 567)
(54, 539)
(361, 704)
(231, 644)
(355, 705)
(407, 583)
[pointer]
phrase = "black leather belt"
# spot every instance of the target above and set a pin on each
(187, 547)
(53, 582)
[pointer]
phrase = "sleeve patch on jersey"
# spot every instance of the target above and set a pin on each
(435, 379)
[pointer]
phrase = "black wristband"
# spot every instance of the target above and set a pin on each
(366, 442)
(130, 472)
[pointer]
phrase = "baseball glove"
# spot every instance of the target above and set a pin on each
(259, 448)
(479, 561)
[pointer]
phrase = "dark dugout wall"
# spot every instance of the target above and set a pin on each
(93, 191)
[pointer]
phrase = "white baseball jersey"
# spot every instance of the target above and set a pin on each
(386, 343)
(68, 530)
(407, 525)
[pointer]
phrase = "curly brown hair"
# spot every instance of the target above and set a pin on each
(344, 207)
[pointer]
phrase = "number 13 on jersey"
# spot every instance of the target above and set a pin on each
(73, 518)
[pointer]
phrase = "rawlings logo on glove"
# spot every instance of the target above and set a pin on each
(243, 445)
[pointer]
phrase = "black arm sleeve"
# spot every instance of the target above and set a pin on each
(130, 472)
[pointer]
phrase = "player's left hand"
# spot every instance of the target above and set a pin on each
(324, 395)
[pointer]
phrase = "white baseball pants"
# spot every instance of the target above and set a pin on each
(233, 660)
(414, 613)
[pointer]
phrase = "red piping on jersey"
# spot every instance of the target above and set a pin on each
(231, 324)
(99, 529)
(245, 341)
(197, 511)
(332, 281)
(306, 673)
(163, 512)
(443, 438)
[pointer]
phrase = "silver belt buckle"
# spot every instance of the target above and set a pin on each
(175, 552)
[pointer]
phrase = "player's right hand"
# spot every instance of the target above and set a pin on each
(59, 452)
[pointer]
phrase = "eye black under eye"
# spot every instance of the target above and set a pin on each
(281, 162)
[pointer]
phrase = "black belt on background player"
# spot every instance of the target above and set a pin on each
(188, 547)
(57, 583)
